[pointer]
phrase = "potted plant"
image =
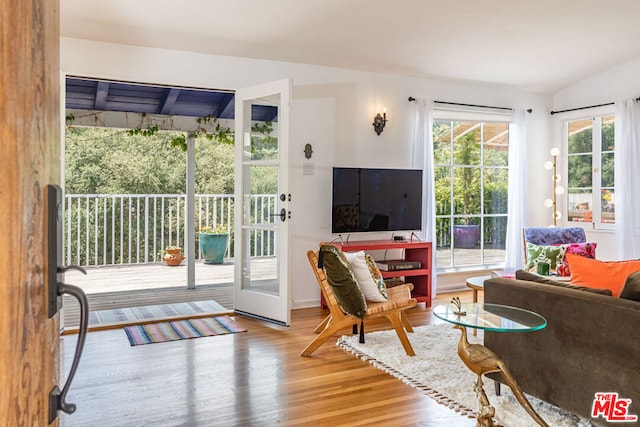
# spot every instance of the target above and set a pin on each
(173, 256)
(213, 243)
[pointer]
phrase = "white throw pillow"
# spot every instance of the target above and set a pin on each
(363, 276)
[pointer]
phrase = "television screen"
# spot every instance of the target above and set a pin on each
(376, 200)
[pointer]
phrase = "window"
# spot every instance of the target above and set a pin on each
(471, 182)
(590, 171)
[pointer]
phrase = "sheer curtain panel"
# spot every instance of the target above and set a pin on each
(518, 205)
(423, 159)
(627, 191)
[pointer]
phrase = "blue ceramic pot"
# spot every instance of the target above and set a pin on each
(213, 247)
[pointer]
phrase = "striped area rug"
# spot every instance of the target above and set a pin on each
(180, 330)
(119, 315)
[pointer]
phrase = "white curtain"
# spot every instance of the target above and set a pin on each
(423, 159)
(627, 178)
(518, 208)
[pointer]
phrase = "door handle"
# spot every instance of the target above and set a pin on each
(56, 288)
(57, 397)
(282, 215)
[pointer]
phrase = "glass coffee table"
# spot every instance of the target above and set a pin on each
(479, 359)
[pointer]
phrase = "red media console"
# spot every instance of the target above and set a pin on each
(413, 250)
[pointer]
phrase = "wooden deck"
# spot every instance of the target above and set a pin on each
(112, 287)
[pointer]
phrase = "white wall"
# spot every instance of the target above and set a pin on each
(615, 84)
(333, 110)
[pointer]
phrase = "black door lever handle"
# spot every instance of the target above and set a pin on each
(72, 267)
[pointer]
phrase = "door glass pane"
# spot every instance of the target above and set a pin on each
(264, 130)
(466, 146)
(580, 208)
(608, 211)
(580, 136)
(466, 190)
(607, 202)
(443, 246)
(496, 182)
(442, 143)
(443, 190)
(261, 205)
(495, 232)
(260, 273)
(580, 170)
(608, 132)
(496, 144)
(466, 241)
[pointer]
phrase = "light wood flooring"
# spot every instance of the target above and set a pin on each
(256, 378)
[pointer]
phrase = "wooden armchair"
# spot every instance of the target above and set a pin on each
(393, 309)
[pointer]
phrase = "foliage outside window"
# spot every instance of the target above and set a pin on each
(590, 171)
(471, 185)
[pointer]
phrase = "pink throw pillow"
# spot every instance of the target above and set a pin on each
(586, 250)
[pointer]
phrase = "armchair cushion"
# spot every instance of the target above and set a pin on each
(342, 281)
(585, 249)
(549, 254)
(362, 272)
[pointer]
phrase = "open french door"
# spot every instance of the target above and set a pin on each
(262, 215)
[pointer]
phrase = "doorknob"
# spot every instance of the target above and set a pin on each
(282, 214)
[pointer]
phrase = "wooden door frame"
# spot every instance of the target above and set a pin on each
(30, 134)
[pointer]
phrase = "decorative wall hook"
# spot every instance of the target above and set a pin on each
(308, 150)
(379, 122)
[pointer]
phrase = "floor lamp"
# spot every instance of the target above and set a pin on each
(557, 189)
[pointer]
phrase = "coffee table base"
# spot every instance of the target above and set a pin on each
(480, 360)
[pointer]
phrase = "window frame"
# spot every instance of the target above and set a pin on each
(596, 222)
(452, 216)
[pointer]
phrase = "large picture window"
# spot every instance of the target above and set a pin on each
(471, 182)
(590, 171)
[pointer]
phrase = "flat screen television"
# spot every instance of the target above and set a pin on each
(367, 199)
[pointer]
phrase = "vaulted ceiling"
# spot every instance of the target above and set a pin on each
(535, 45)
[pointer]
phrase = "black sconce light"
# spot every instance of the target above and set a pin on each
(379, 122)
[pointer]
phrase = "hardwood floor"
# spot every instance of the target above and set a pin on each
(256, 378)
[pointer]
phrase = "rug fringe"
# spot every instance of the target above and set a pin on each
(428, 391)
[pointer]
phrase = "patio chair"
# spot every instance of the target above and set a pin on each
(392, 309)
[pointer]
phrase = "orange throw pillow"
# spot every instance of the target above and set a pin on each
(592, 273)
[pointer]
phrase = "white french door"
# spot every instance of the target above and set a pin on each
(262, 221)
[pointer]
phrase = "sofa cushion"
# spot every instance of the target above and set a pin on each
(592, 273)
(342, 281)
(532, 277)
(631, 288)
(363, 276)
(553, 255)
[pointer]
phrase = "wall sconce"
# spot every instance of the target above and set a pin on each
(379, 122)
(557, 189)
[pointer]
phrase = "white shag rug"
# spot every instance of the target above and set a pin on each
(437, 371)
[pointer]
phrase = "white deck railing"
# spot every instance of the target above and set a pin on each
(110, 229)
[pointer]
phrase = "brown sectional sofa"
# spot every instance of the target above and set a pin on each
(591, 344)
